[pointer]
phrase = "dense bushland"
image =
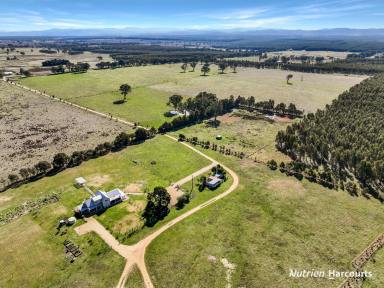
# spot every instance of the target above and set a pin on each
(345, 141)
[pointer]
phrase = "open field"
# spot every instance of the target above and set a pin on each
(270, 224)
(152, 85)
(33, 58)
(256, 138)
(315, 91)
(34, 128)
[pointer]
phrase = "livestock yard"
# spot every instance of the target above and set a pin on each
(152, 86)
(34, 128)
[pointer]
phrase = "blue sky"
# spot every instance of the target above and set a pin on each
(27, 15)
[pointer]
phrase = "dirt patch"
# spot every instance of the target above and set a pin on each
(228, 118)
(99, 180)
(137, 206)
(34, 128)
(127, 223)
(174, 193)
(282, 119)
(286, 188)
(60, 210)
(5, 198)
(134, 188)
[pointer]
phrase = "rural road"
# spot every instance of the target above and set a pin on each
(135, 254)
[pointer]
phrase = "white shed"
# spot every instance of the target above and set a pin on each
(80, 181)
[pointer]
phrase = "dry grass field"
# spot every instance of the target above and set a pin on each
(33, 58)
(34, 128)
(152, 86)
(271, 224)
(256, 138)
(308, 91)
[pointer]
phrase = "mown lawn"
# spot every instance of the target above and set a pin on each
(270, 224)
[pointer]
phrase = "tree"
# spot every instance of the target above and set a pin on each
(175, 101)
(60, 161)
(13, 178)
(141, 134)
(182, 200)
(184, 67)
(272, 164)
(217, 110)
(157, 206)
(202, 183)
(122, 140)
(222, 67)
(193, 65)
(205, 69)
(124, 90)
(234, 67)
(42, 167)
(289, 77)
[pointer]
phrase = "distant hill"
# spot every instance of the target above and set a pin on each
(204, 34)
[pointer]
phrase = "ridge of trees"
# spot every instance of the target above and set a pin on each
(206, 105)
(345, 140)
(346, 66)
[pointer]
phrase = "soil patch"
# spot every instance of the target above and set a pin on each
(228, 118)
(127, 223)
(99, 180)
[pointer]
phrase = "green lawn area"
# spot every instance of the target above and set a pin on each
(152, 86)
(97, 89)
(32, 253)
(116, 170)
(270, 224)
(117, 215)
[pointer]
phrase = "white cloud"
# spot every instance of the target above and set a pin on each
(240, 14)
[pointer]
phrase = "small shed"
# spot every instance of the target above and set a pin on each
(219, 137)
(71, 220)
(80, 181)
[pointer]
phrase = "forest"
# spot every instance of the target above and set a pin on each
(344, 141)
(347, 66)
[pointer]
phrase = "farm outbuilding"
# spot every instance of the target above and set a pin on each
(80, 181)
(213, 182)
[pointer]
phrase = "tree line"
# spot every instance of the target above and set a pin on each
(347, 66)
(62, 161)
(206, 105)
(346, 139)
